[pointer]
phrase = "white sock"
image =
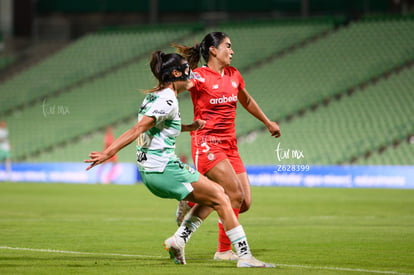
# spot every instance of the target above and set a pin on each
(239, 241)
(187, 228)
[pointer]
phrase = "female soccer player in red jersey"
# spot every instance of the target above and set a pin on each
(215, 91)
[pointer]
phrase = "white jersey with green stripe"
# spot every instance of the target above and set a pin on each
(155, 147)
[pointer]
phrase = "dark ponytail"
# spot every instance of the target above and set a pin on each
(193, 54)
(162, 65)
(156, 63)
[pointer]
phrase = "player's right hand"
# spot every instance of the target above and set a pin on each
(96, 158)
(274, 129)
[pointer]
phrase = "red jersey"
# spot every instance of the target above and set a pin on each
(215, 100)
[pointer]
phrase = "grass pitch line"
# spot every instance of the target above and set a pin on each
(160, 257)
(77, 252)
(344, 269)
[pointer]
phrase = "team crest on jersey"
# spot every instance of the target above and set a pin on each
(234, 84)
(190, 169)
(151, 97)
(198, 77)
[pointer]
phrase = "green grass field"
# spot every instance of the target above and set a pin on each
(112, 229)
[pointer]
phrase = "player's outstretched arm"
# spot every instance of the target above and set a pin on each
(252, 107)
(96, 158)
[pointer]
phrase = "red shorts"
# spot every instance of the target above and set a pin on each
(207, 152)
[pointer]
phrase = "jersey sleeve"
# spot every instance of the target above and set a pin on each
(159, 109)
(241, 81)
(198, 81)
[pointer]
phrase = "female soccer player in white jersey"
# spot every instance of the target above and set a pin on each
(163, 173)
(215, 91)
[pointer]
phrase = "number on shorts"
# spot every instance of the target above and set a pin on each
(206, 147)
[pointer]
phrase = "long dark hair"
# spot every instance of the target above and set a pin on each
(161, 66)
(193, 54)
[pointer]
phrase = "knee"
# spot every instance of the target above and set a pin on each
(233, 190)
(245, 205)
(220, 197)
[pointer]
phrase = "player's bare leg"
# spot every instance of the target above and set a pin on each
(245, 183)
(212, 197)
(224, 174)
(209, 196)
(237, 187)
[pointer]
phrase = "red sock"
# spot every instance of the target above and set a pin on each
(191, 204)
(224, 244)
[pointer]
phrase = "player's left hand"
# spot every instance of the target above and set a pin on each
(198, 124)
(274, 129)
